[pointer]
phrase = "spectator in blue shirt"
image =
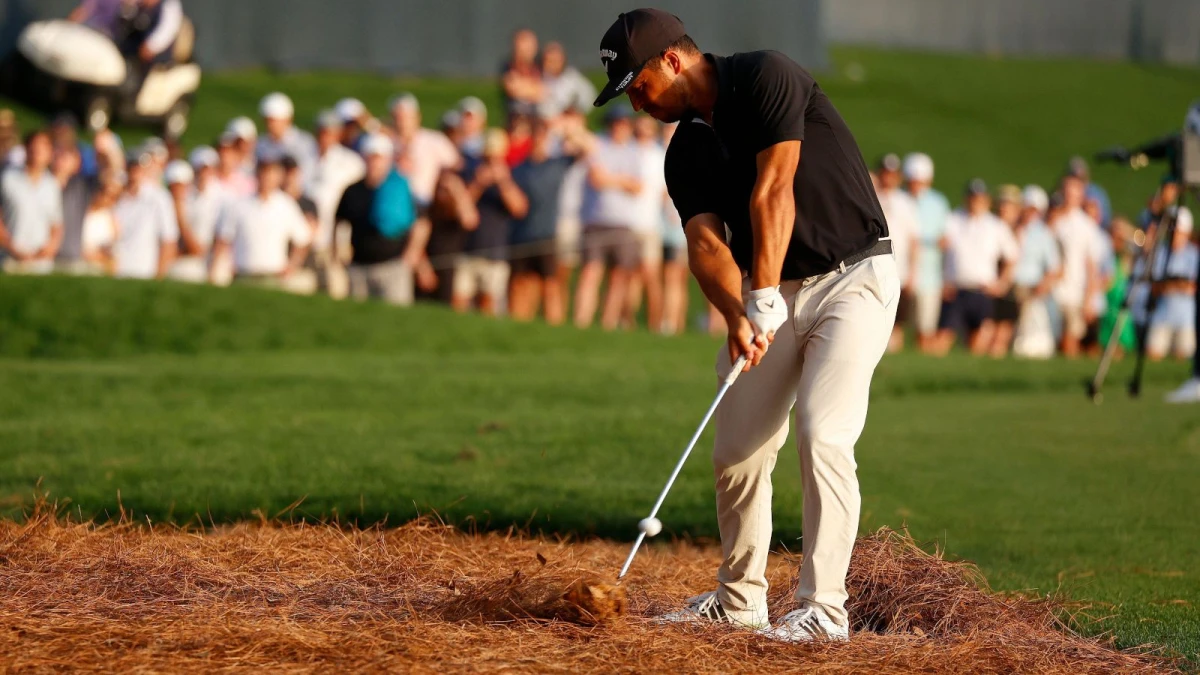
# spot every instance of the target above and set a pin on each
(535, 263)
(933, 209)
(1172, 326)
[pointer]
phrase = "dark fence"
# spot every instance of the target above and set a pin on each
(1143, 30)
(466, 37)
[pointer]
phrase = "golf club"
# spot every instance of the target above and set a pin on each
(646, 526)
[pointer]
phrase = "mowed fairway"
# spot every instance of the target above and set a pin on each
(201, 404)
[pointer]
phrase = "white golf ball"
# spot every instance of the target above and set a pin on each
(650, 526)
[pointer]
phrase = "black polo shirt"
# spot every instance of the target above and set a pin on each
(369, 244)
(765, 98)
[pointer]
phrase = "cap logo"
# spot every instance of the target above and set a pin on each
(607, 56)
(625, 82)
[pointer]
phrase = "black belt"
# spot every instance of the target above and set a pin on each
(881, 247)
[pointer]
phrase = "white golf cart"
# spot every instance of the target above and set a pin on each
(60, 65)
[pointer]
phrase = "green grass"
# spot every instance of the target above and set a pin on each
(184, 402)
(1007, 120)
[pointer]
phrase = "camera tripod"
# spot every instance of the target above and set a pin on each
(1145, 265)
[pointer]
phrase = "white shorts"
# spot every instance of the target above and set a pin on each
(567, 238)
(928, 311)
(480, 276)
(1162, 340)
(651, 246)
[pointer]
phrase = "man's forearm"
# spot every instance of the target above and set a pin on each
(417, 240)
(166, 256)
(719, 278)
(772, 215)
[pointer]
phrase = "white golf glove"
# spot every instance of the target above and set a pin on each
(767, 310)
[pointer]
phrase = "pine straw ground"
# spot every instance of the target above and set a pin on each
(125, 597)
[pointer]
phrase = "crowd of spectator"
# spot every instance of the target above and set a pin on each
(500, 218)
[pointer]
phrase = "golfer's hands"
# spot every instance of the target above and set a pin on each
(767, 311)
(743, 340)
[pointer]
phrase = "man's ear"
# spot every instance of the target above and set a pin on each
(673, 61)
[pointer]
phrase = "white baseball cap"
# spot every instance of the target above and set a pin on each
(243, 128)
(204, 156)
(473, 105)
(350, 109)
(276, 106)
(1183, 220)
(918, 166)
(405, 100)
(155, 147)
(179, 171)
(1034, 196)
(378, 144)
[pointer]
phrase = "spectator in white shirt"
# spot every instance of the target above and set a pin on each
(31, 203)
(900, 212)
(979, 254)
(245, 135)
(563, 86)
(421, 154)
(609, 210)
(1081, 241)
(191, 265)
(337, 168)
(259, 229)
(647, 224)
(233, 180)
(149, 233)
(283, 136)
(100, 231)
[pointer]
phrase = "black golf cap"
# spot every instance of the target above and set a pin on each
(634, 39)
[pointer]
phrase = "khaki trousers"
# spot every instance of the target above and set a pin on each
(821, 364)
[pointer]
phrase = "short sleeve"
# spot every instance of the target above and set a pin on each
(168, 223)
(227, 222)
(1010, 250)
(692, 165)
(778, 91)
(1053, 258)
(55, 207)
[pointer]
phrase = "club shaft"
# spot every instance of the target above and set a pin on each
(737, 368)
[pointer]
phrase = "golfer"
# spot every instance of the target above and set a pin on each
(787, 240)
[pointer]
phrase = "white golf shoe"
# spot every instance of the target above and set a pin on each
(707, 608)
(808, 624)
(1188, 392)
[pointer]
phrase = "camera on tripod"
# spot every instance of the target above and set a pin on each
(1181, 151)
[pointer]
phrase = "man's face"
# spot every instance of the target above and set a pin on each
(1072, 189)
(67, 162)
(554, 60)
(328, 137)
(407, 119)
(270, 178)
(277, 126)
(204, 175)
(378, 166)
(525, 46)
(542, 138)
(471, 123)
(889, 179)
(620, 130)
(1169, 192)
(645, 129)
(39, 152)
(179, 190)
(977, 204)
(229, 157)
(660, 90)
(1008, 211)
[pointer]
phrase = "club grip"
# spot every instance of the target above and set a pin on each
(737, 370)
